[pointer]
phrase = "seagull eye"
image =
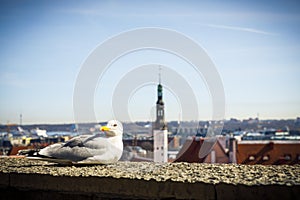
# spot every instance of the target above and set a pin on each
(115, 125)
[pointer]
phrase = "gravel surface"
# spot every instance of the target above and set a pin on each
(177, 172)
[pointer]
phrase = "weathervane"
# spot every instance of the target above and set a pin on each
(159, 74)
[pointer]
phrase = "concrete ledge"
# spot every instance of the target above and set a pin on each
(123, 180)
(110, 187)
(226, 191)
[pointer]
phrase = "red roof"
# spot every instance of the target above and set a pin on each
(190, 151)
(198, 150)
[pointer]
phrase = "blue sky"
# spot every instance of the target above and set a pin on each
(255, 46)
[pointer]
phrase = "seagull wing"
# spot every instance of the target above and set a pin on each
(77, 149)
(76, 141)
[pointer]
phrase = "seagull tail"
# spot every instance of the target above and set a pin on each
(29, 152)
(32, 153)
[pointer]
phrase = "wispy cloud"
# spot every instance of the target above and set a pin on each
(238, 28)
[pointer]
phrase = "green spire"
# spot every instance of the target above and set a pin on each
(159, 91)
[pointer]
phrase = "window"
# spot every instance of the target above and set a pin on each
(287, 157)
(160, 112)
(251, 158)
(266, 157)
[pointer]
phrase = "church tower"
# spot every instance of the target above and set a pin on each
(160, 109)
(160, 132)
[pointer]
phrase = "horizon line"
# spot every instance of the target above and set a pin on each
(128, 122)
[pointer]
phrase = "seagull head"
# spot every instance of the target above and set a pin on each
(113, 128)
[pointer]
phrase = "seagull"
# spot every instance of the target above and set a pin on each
(85, 149)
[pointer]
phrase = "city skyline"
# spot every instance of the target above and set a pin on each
(254, 46)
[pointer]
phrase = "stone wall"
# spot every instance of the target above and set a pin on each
(27, 179)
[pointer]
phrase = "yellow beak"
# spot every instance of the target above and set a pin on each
(105, 128)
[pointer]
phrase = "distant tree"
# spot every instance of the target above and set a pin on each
(147, 146)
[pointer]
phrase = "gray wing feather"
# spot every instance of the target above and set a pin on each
(77, 149)
(77, 141)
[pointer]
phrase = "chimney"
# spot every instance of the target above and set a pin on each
(232, 150)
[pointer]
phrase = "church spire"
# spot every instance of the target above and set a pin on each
(159, 88)
(160, 111)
